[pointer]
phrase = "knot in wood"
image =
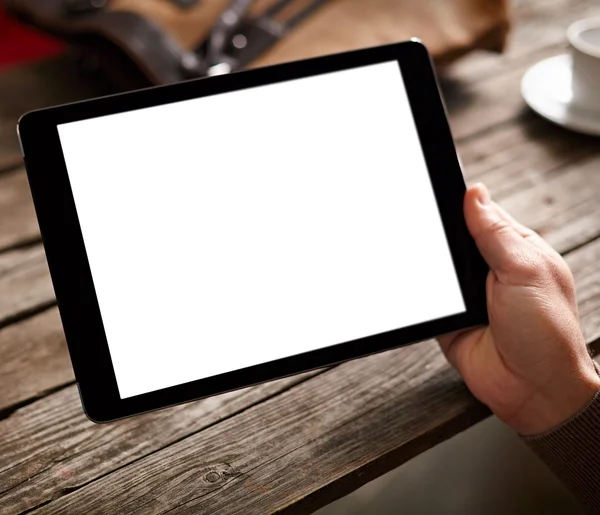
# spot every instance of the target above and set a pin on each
(212, 476)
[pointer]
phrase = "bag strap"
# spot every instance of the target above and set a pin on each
(236, 38)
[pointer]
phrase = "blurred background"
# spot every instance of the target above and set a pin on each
(19, 44)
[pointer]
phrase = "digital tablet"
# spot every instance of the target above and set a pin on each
(222, 232)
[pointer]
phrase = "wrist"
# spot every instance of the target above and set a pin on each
(550, 409)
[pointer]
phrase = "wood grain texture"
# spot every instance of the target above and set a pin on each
(35, 359)
(24, 282)
(64, 450)
(564, 208)
(522, 155)
(265, 457)
(17, 215)
(356, 421)
(386, 383)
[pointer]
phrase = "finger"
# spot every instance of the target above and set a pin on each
(501, 243)
(445, 341)
(456, 347)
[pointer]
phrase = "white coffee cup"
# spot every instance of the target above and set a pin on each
(584, 37)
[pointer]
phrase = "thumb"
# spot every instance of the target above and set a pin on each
(500, 242)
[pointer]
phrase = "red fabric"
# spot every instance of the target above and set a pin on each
(19, 43)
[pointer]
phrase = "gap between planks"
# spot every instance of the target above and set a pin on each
(9, 410)
(25, 284)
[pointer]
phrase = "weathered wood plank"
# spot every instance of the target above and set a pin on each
(42, 474)
(564, 207)
(10, 162)
(35, 359)
(356, 421)
(24, 282)
(202, 455)
(64, 450)
(17, 215)
(521, 155)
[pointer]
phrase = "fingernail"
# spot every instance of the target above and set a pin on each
(483, 195)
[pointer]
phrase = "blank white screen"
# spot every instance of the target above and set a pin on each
(232, 230)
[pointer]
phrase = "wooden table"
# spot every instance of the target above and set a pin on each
(299, 443)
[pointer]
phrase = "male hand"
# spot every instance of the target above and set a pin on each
(530, 366)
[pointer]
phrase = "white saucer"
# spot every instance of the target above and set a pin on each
(546, 87)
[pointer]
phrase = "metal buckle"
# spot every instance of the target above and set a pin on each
(237, 40)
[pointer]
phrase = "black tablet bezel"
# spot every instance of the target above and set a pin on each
(68, 261)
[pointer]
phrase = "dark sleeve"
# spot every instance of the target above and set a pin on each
(572, 452)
